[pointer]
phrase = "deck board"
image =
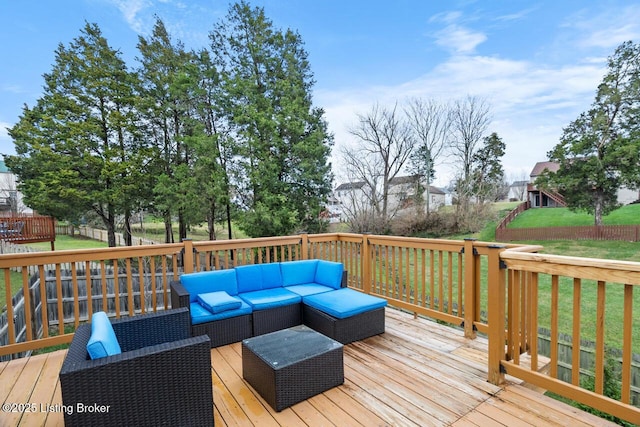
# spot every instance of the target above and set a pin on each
(418, 373)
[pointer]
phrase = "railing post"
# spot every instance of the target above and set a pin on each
(470, 293)
(367, 262)
(496, 315)
(304, 246)
(187, 256)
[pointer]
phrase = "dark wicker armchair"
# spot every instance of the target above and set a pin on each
(162, 376)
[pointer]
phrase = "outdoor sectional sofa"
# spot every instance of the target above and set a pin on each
(235, 304)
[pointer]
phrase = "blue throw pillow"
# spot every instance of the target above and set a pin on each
(103, 341)
(217, 302)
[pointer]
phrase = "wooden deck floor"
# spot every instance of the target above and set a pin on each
(418, 373)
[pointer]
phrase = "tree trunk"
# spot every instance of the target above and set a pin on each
(211, 222)
(182, 227)
(168, 231)
(111, 231)
(128, 238)
(598, 210)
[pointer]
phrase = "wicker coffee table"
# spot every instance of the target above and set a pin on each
(291, 365)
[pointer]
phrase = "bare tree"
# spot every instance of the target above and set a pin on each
(430, 122)
(385, 143)
(470, 118)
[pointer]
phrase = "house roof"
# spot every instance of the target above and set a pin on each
(541, 166)
(398, 180)
(435, 190)
(350, 186)
(519, 183)
(3, 167)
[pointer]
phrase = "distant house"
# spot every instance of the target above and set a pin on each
(403, 192)
(539, 198)
(11, 203)
(546, 198)
(349, 197)
(518, 191)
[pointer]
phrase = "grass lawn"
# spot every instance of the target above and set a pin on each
(153, 228)
(562, 217)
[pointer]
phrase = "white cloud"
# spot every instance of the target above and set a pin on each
(607, 29)
(130, 10)
(6, 143)
(458, 39)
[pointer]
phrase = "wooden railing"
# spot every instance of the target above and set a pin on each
(573, 286)
(481, 287)
(502, 225)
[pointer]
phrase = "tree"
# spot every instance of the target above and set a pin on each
(488, 174)
(599, 151)
(170, 77)
(470, 118)
(431, 125)
(385, 144)
(282, 175)
(79, 149)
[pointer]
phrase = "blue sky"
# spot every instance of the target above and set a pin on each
(537, 63)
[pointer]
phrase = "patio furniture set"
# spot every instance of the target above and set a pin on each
(155, 369)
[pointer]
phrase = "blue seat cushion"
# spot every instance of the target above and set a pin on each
(199, 314)
(309, 289)
(343, 303)
(103, 341)
(298, 272)
(209, 281)
(329, 273)
(270, 298)
(217, 302)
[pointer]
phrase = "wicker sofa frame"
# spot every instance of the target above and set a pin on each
(235, 329)
(162, 376)
(220, 332)
(275, 319)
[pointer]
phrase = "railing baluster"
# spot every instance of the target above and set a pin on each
(554, 327)
(600, 355)
(626, 344)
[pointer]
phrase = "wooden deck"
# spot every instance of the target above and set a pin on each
(418, 373)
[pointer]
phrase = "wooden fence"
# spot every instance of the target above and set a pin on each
(101, 235)
(629, 233)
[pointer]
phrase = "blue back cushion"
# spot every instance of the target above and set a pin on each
(249, 278)
(298, 272)
(271, 276)
(103, 341)
(209, 281)
(329, 273)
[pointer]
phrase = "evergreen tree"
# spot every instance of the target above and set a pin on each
(79, 149)
(599, 151)
(282, 176)
(170, 77)
(488, 174)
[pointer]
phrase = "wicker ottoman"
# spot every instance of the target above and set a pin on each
(345, 315)
(291, 365)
